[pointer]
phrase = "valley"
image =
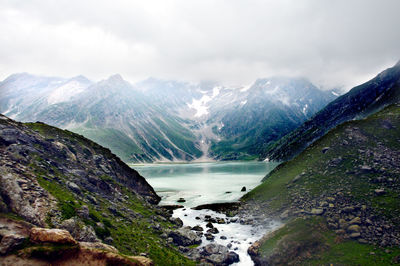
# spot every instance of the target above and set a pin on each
(207, 194)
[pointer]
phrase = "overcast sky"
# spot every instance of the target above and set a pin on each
(332, 43)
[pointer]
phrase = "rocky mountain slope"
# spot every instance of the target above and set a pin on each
(359, 102)
(55, 178)
(156, 120)
(338, 198)
(111, 112)
(247, 122)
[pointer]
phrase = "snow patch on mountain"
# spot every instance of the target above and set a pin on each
(66, 92)
(245, 88)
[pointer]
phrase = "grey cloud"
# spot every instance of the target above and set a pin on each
(332, 43)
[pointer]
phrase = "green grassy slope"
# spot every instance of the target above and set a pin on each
(339, 174)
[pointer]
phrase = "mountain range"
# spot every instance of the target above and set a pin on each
(157, 120)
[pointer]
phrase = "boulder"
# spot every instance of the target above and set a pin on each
(98, 245)
(176, 221)
(79, 230)
(184, 237)
(218, 254)
(214, 249)
(232, 257)
(58, 236)
(10, 241)
(243, 189)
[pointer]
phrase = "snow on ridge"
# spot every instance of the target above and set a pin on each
(245, 88)
(200, 105)
(336, 94)
(216, 91)
(305, 109)
(65, 92)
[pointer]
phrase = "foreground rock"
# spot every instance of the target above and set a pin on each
(184, 237)
(58, 248)
(56, 236)
(218, 254)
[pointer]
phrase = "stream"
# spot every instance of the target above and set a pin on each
(214, 182)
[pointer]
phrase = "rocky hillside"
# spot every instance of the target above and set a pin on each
(248, 121)
(359, 102)
(339, 198)
(55, 178)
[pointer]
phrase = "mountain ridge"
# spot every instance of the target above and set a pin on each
(359, 102)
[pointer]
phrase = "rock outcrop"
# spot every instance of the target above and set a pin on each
(55, 236)
(72, 190)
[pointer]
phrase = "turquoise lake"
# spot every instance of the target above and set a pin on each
(202, 183)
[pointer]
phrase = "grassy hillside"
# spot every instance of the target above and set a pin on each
(350, 177)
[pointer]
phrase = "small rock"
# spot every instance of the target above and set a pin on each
(353, 228)
(209, 225)
(380, 191)
(243, 189)
(209, 236)
(284, 215)
(317, 211)
(108, 240)
(181, 200)
(355, 235)
(356, 220)
(220, 221)
(340, 232)
(223, 237)
(213, 230)
(325, 149)
(197, 228)
(74, 187)
(83, 212)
